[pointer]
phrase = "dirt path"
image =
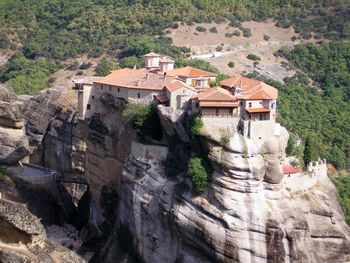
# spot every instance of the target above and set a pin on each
(205, 46)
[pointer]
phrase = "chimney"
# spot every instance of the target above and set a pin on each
(147, 75)
(164, 75)
(138, 83)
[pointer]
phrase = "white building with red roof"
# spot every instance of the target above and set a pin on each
(257, 99)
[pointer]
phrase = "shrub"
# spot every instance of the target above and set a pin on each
(266, 38)
(197, 126)
(229, 35)
(342, 184)
(246, 31)
(231, 64)
(201, 29)
(104, 67)
(235, 23)
(4, 41)
(236, 33)
(135, 114)
(85, 65)
(2, 173)
(255, 64)
(254, 57)
(218, 48)
(174, 25)
(198, 174)
(213, 30)
(73, 66)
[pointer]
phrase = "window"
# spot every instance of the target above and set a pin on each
(217, 112)
(260, 102)
(241, 103)
(197, 105)
(118, 89)
(272, 105)
(101, 86)
(138, 95)
(88, 107)
(92, 97)
(250, 104)
(184, 91)
(110, 88)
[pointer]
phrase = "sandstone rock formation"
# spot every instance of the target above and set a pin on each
(52, 131)
(13, 141)
(246, 215)
(23, 238)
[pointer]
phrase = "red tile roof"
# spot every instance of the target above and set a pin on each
(251, 89)
(216, 94)
(257, 110)
(190, 72)
(135, 79)
(218, 105)
(162, 98)
(175, 85)
(287, 169)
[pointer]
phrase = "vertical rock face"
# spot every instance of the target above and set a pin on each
(53, 131)
(246, 215)
(13, 141)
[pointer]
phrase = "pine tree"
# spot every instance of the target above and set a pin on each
(309, 151)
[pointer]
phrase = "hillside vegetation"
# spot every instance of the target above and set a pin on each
(61, 29)
(320, 112)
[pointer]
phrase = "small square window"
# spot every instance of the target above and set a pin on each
(88, 107)
(92, 97)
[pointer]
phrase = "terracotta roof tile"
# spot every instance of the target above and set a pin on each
(190, 72)
(257, 110)
(218, 105)
(135, 79)
(216, 94)
(290, 169)
(175, 85)
(251, 88)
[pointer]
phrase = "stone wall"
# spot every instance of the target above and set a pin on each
(304, 181)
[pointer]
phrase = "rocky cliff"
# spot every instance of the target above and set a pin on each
(53, 130)
(245, 215)
(14, 144)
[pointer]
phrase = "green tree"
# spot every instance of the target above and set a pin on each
(104, 67)
(198, 174)
(197, 126)
(131, 62)
(309, 151)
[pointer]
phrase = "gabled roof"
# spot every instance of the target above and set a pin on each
(176, 84)
(135, 79)
(251, 88)
(152, 54)
(190, 72)
(216, 94)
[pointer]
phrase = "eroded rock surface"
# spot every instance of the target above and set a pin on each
(246, 215)
(14, 144)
